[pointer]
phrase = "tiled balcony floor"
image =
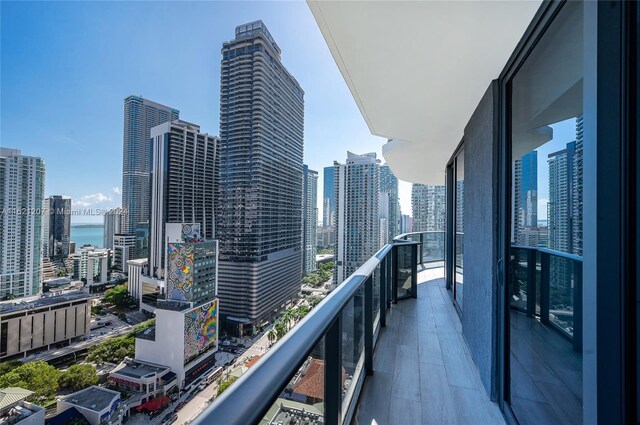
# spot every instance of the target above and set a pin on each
(423, 372)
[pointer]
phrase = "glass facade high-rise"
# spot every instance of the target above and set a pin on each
(389, 186)
(309, 219)
(564, 208)
(140, 115)
(356, 187)
(21, 192)
(428, 205)
(259, 223)
(57, 227)
(184, 184)
(112, 226)
(328, 198)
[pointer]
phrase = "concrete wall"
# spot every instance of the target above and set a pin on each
(479, 315)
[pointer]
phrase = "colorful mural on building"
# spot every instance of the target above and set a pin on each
(200, 329)
(179, 271)
(191, 233)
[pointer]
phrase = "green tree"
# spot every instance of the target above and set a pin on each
(114, 350)
(226, 384)
(118, 296)
(39, 377)
(314, 300)
(6, 367)
(272, 335)
(78, 376)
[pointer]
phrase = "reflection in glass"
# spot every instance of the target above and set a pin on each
(433, 246)
(376, 298)
(302, 401)
(352, 346)
(545, 278)
(459, 226)
(404, 270)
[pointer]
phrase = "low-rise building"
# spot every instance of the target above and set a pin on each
(15, 410)
(124, 249)
(145, 380)
(92, 264)
(99, 406)
(36, 323)
(136, 269)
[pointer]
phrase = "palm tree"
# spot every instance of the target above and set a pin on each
(272, 335)
(281, 329)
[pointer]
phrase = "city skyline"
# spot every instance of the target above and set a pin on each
(104, 75)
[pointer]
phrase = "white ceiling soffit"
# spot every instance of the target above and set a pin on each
(418, 69)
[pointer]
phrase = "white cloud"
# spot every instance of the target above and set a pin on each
(90, 200)
(116, 190)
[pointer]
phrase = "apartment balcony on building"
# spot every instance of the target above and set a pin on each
(524, 310)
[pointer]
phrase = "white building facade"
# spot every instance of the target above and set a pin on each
(22, 198)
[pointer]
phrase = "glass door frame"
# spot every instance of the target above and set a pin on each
(611, 378)
(450, 237)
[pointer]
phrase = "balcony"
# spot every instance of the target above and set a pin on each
(385, 347)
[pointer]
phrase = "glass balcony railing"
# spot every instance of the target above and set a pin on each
(314, 375)
(548, 284)
(432, 245)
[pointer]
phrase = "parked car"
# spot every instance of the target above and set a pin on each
(171, 419)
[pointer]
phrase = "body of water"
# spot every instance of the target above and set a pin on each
(87, 235)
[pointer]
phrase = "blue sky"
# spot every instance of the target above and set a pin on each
(67, 66)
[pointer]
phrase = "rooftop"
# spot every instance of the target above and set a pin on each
(92, 398)
(29, 303)
(12, 395)
(137, 369)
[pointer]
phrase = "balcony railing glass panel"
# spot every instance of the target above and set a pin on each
(339, 334)
(302, 401)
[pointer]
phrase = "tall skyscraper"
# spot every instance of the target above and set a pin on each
(57, 227)
(565, 195)
(529, 190)
(356, 187)
(259, 224)
(112, 226)
(140, 115)
(525, 195)
(560, 202)
(389, 186)
(576, 196)
(309, 219)
(328, 198)
(383, 218)
(406, 223)
(184, 184)
(428, 205)
(21, 192)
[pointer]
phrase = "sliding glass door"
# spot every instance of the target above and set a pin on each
(455, 226)
(545, 150)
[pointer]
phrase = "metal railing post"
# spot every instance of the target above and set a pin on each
(390, 277)
(414, 272)
(531, 282)
(545, 277)
(368, 325)
(333, 373)
(384, 281)
(394, 275)
(421, 252)
(577, 306)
